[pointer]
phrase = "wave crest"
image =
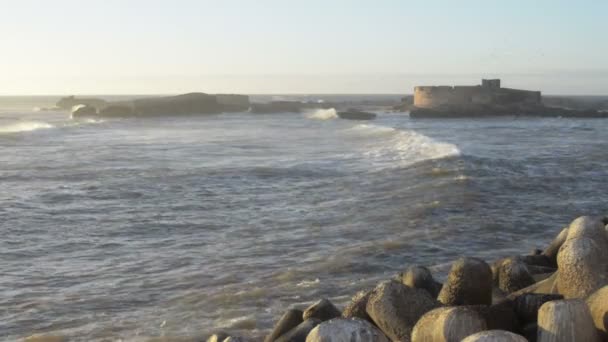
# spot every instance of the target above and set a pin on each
(25, 126)
(323, 114)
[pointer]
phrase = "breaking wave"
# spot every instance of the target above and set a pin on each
(323, 114)
(388, 144)
(25, 126)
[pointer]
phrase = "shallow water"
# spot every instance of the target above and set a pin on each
(173, 227)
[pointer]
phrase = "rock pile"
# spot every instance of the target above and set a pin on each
(558, 294)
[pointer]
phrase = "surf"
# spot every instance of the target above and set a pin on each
(25, 126)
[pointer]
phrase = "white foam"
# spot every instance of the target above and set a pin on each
(323, 114)
(25, 126)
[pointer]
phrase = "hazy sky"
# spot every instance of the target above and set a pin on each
(306, 46)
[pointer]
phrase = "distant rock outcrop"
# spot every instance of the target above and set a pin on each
(67, 103)
(83, 111)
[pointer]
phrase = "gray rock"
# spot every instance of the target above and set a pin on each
(526, 306)
(469, 283)
(291, 319)
(513, 275)
(219, 336)
(583, 259)
(299, 333)
(116, 111)
(566, 321)
(346, 330)
(356, 307)
(495, 336)
(420, 277)
(598, 306)
(323, 310)
(186, 104)
(448, 324)
(395, 308)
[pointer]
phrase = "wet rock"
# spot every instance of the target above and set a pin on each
(583, 259)
(290, 319)
(526, 306)
(495, 336)
(299, 333)
(356, 307)
(469, 283)
(448, 324)
(219, 336)
(553, 248)
(566, 321)
(513, 275)
(323, 310)
(346, 330)
(598, 306)
(420, 277)
(395, 308)
(500, 316)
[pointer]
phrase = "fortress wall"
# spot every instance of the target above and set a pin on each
(433, 97)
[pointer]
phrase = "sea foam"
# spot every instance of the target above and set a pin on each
(24, 126)
(323, 114)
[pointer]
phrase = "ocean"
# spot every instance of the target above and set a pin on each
(125, 229)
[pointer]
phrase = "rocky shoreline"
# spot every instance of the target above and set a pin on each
(556, 294)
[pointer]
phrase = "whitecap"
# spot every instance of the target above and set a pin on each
(24, 126)
(323, 114)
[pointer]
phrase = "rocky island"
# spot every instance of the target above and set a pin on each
(487, 100)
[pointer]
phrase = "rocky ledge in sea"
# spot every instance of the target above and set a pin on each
(551, 295)
(479, 111)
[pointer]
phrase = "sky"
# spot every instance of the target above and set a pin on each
(299, 47)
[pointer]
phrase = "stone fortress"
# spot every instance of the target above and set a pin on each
(489, 93)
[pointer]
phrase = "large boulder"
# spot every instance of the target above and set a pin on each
(512, 274)
(469, 283)
(299, 333)
(346, 330)
(566, 321)
(420, 277)
(495, 336)
(598, 306)
(291, 319)
(116, 111)
(583, 259)
(356, 307)
(192, 103)
(395, 308)
(323, 310)
(448, 324)
(553, 248)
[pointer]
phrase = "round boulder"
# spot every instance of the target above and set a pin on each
(323, 310)
(291, 319)
(346, 330)
(583, 259)
(299, 333)
(448, 324)
(495, 336)
(469, 283)
(566, 321)
(395, 308)
(598, 306)
(513, 275)
(420, 277)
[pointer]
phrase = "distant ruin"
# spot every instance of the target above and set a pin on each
(489, 93)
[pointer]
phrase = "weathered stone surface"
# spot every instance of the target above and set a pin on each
(395, 308)
(500, 316)
(598, 306)
(546, 286)
(299, 333)
(469, 283)
(290, 319)
(448, 324)
(583, 259)
(495, 336)
(346, 330)
(356, 307)
(526, 306)
(553, 248)
(513, 275)
(219, 336)
(323, 310)
(116, 111)
(420, 277)
(538, 260)
(566, 321)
